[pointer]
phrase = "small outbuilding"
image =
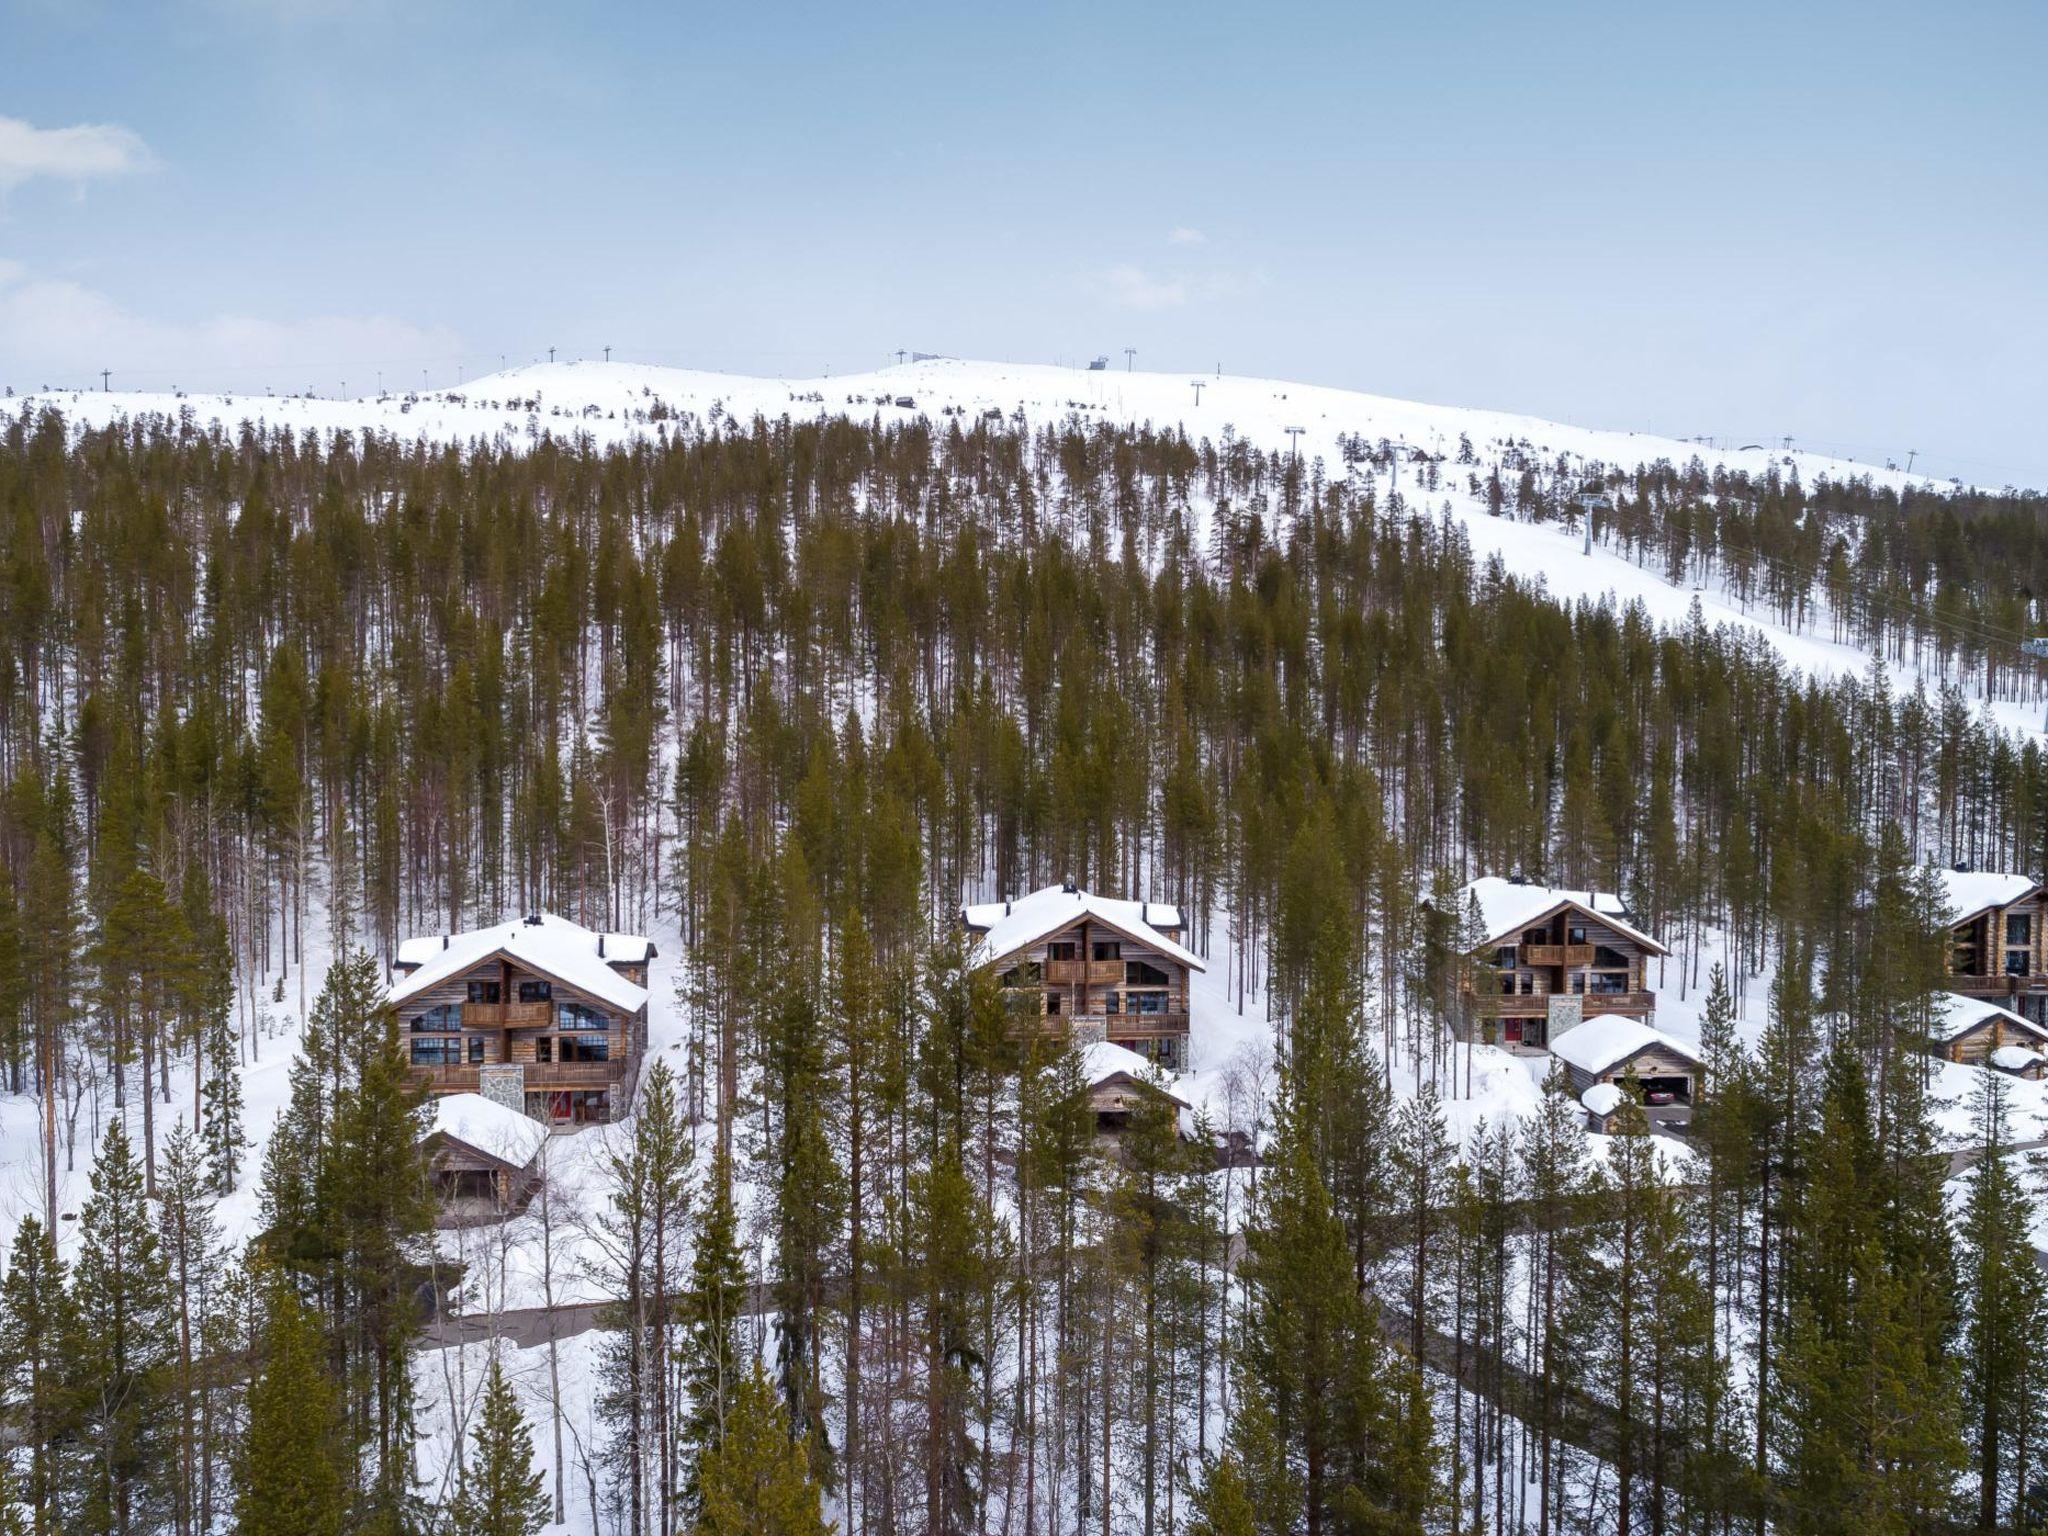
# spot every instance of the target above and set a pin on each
(2020, 1061)
(1602, 1103)
(1607, 1049)
(1975, 1028)
(482, 1158)
(1118, 1079)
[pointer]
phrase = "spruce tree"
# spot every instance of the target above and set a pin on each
(290, 1478)
(121, 1349)
(37, 1333)
(502, 1494)
(755, 1481)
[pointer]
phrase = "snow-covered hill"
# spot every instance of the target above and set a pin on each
(618, 401)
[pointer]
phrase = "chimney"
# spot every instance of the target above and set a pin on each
(1006, 906)
(1070, 888)
(600, 946)
(444, 941)
(533, 919)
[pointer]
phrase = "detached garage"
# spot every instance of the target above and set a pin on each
(1972, 1028)
(1603, 1050)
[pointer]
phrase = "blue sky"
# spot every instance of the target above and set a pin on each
(1741, 220)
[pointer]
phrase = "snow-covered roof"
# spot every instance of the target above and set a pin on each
(553, 947)
(1102, 1060)
(1007, 927)
(2016, 1058)
(1956, 1016)
(1602, 1099)
(1971, 891)
(1506, 908)
(489, 1126)
(1601, 1043)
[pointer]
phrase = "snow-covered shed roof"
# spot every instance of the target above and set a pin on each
(488, 1126)
(1972, 891)
(1506, 907)
(549, 945)
(1600, 1044)
(1602, 1099)
(1956, 1016)
(1104, 1060)
(1006, 927)
(2015, 1058)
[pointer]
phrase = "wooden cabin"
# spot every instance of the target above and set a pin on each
(482, 1158)
(1974, 1029)
(1602, 1103)
(1997, 949)
(2018, 1061)
(1609, 1049)
(542, 1014)
(1539, 944)
(1100, 968)
(1117, 1081)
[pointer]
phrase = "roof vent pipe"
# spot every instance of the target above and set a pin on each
(444, 941)
(600, 946)
(1006, 906)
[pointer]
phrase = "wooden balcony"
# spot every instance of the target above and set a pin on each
(540, 1076)
(1644, 1003)
(1997, 986)
(1076, 973)
(1556, 954)
(1498, 1005)
(1137, 1026)
(507, 1015)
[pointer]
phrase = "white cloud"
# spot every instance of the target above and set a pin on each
(1130, 287)
(78, 154)
(1133, 287)
(58, 332)
(1180, 234)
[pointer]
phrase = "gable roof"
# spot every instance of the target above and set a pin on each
(1602, 1044)
(1104, 1061)
(1007, 927)
(1602, 1099)
(2015, 1058)
(486, 1126)
(1506, 908)
(1972, 892)
(553, 947)
(1956, 1016)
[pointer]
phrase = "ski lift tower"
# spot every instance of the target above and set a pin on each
(1592, 499)
(2038, 649)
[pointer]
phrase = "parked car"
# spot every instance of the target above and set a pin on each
(1659, 1096)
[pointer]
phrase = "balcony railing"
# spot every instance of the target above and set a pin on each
(540, 1076)
(1557, 954)
(1136, 1026)
(507, 1015)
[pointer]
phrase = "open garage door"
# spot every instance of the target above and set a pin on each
(1680, 1088)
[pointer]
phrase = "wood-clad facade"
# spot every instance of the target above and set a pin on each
(1999, 952)
(1566, 949)
(579, 1052)
(1104, 979)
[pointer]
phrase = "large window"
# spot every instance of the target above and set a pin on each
(1060, 950)
(437, 1053)
(1109, 949)
(1138, 974)
(2019, 928)
(486, 991)
(446, 1017)
(582, 1016)
(1612, 959)
(535, 991)
(1145, 1002)
(585, 1048)
(476, 1050)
